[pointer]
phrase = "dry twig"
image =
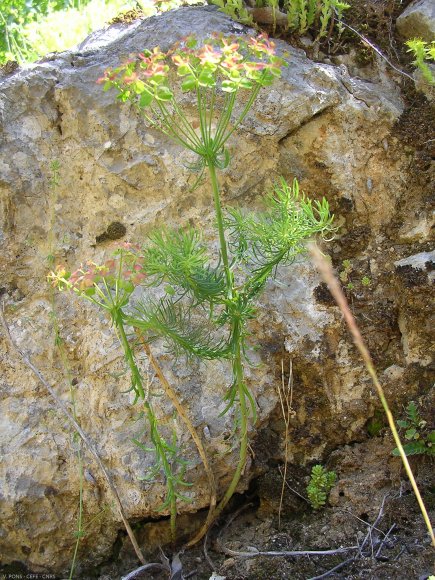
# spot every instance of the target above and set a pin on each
(373, 47)
(206, 554)
(364, 550)
(61, 406)
(292, 489)
(360, 549)
(285, 392)
(139, 571)
(255, 553)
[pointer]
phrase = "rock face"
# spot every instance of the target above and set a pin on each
(418, 21)
(335, 134)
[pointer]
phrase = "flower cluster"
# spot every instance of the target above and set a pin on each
(225, 62)
(144, 76)
(124, 271)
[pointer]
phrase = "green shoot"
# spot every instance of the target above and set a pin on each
(319, 486)
(423, 53)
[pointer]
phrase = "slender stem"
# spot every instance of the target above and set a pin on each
(167, 469)
(242, 116)
(221, 230)
(155, 435)
(129, 356)
(212, 102)
(221, 116)
(194, 137)
(239, 378)
(202, 111)
(80, 518)
(172, 395)
(224, 120)
(326, 271)
(170, 122)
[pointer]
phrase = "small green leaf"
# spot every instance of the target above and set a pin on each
(403, 424)
(189, 84)
(183, 70)
(191, 42)
(411, 434)
(124, 96)
(138, 87)
(164, 93)
(412, 411)
(413, 448)
(229, 86)
(157, 78)
(206, 78)
(246, 84)
(276, 72)
(146, 99)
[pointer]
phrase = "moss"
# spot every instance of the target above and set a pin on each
(114, 231)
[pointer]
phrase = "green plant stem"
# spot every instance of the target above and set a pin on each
(155, 436)
(80, 518)
(117, 317)
(245, 111)
(185, 418)
(239, 378)
(220, 224)
(326, 271)
(237, 355)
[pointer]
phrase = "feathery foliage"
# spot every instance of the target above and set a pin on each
(209, 301)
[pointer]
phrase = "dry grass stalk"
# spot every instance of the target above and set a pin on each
(285, 392)
(327, 274)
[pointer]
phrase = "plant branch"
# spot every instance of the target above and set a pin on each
(286, 399)
(139, 571)
(239, 381)
(375, 48)
(61, 406)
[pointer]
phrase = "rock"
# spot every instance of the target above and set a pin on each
(418, 21)
(421, 261)
(318, 124)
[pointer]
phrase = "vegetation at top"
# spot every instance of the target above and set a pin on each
(29, 29)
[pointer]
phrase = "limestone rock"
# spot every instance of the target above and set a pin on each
(317, 124)
(418, 21)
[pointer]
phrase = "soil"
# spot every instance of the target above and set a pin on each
(371, 506)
